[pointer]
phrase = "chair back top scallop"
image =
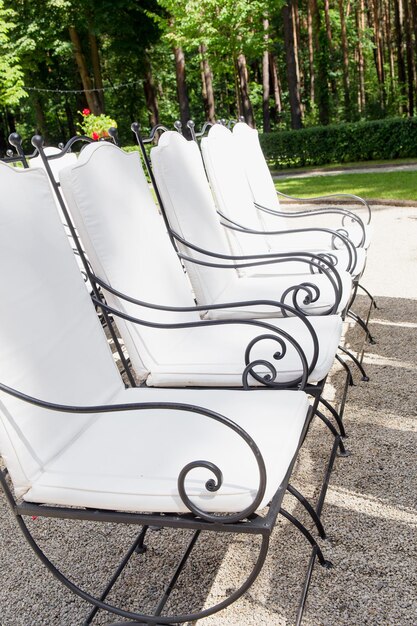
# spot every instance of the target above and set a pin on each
(51, 341)
(56, 165)
(231, 189)
(126, 242)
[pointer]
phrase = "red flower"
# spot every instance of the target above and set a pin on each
(86, 112)
(95, 136)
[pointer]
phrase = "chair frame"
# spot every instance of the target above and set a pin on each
(339, 234)
(267, 381)
(245, 522)
(315, 262)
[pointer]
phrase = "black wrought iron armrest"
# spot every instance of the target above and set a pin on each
(351, 196)
(276, 334)
(345, 213)
(351, 250)
(322, 263)
(212, 485)
(285, 309)
(316, 261)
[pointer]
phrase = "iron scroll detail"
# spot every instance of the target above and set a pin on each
(311, 295)
(268, 379)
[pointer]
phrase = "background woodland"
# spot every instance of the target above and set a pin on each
(281, 64)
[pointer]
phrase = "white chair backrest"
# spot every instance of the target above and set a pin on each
(191, 212)
(246, 140)
(126, 242)
(231, 189)
(51, 342)
(56, 165)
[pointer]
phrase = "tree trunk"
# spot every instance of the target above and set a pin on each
(41, 128)
(360, 22)
(242, 73)
(398, 20)
(410, 60)
(293, 86)
(207, 80)
(414, 15)
(345, 52)
(150, 94)
(95, 62)
(389, 38)
(379, 53)
(91, 96)
(276, 86)
(182, 87)
(321, 54)
(310, 52)
(333, 85)
(70, 118)
(296, 35)
(265, 81)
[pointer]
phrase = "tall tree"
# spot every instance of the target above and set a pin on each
(246, 105)
(321, 50)
(292, 79)
(90, 94)
(182, 90)
(411, 69)
(360, 26)
(345, 53)
(207, 83)
(266, 81)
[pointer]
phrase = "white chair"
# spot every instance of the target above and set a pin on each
(190, 210)
(236, 202)
(353, 219)
(77, 445)
(129, 250)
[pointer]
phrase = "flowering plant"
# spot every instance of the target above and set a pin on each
(96, 126)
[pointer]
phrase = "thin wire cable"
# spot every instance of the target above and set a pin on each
(114, 87)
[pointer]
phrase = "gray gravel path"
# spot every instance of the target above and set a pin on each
(370, 512)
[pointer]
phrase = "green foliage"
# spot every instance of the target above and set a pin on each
(361, 141)
(96, 126)
(11, 74)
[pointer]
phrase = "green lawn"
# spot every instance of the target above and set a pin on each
(384, 185)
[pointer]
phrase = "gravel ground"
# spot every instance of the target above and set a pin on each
(370, 511)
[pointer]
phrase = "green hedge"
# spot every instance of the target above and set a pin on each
(361, 141)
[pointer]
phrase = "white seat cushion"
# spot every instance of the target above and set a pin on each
(131, 461)
(214, 356)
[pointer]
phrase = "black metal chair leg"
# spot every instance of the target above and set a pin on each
(335, 433)
(363, 325)
(370, 296)
(324, 562)
(310, 510)
(356, 361)
(138, 547)
(336, 416)
(347, 368)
